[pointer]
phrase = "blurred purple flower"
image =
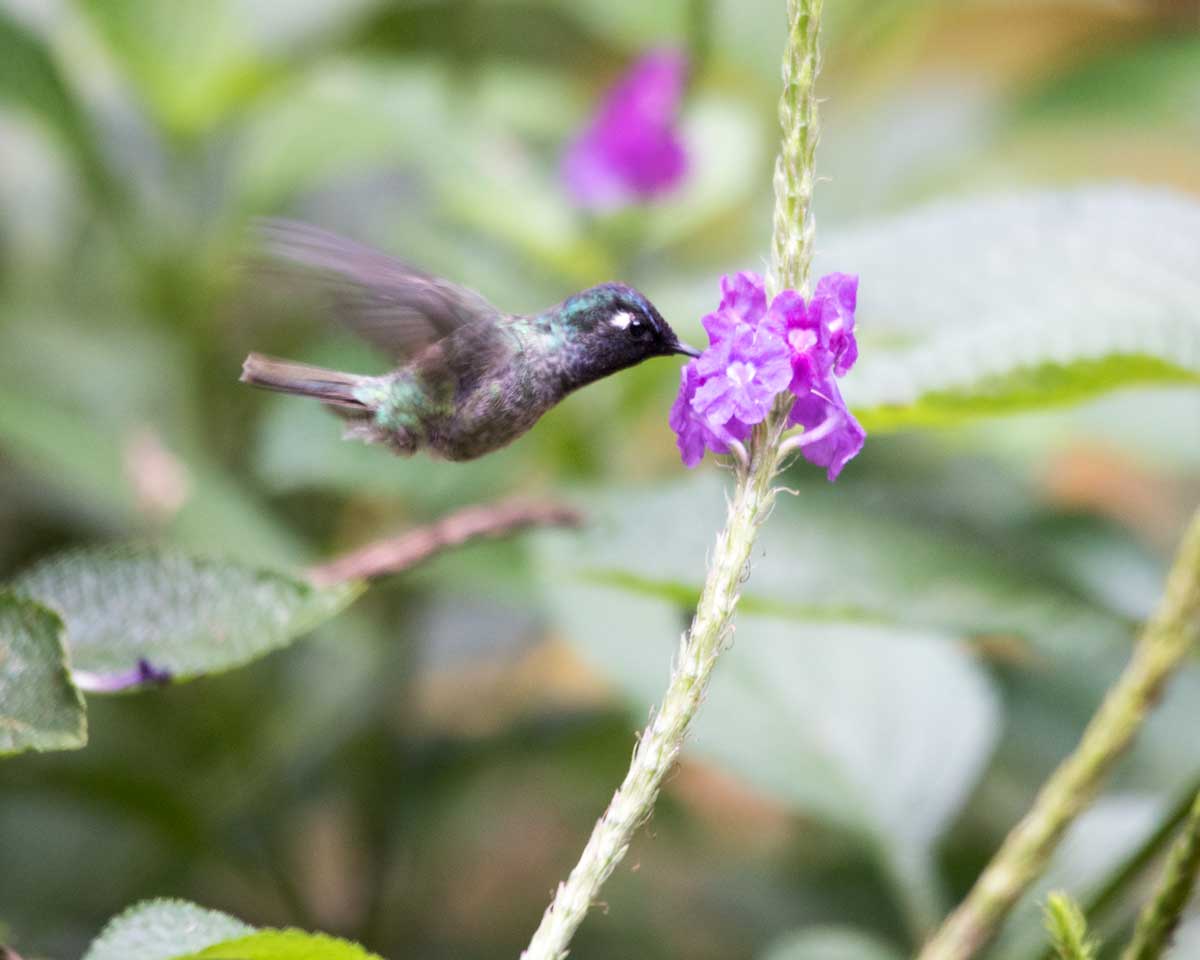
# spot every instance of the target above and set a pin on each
(142, 675)
(756, 352)
(631, 152)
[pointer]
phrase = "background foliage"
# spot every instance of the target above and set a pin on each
(921, 642)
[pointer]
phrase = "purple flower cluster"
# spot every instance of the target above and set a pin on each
(630, 152)
(759, 351)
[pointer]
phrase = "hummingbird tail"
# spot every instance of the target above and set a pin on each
(328, 386)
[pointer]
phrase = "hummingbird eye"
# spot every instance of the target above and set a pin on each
(633, 324)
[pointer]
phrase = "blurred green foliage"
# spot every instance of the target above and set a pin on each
(922, 641)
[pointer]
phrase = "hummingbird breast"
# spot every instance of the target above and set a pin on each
(475, 404)
(490, 415)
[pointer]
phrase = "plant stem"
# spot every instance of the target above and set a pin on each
(796, 165)
(1100, 903)
(1160, 916)
(1160, 650)
(1067, 927)
(415, 546)
(712, 626)
(660, 743)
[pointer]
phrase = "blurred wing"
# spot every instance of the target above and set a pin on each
(388, 302)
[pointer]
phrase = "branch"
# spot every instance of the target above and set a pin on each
(406, 551)
(1022, 858)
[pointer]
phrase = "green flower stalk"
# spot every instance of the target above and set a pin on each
(1158, 920)
(757, 460)
(1067, 927)
(796, 166)
(1164, 644)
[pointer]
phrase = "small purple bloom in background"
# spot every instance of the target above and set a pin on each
(757, 352)
(631, 152)
(142, 675)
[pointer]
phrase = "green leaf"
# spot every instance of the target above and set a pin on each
(830, 943)
(837, 554)
(184, 614)
(177, 930)
(30, 78)
(1143, 82)
(162, 930)
(40, 709)
(1022, 301)
(283, 945)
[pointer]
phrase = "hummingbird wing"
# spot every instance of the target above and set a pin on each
(390, 303)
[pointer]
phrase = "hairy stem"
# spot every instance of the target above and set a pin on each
(659, 744)
(1160, 917)
(1160, 650)
(1067, 927)
(796, 165)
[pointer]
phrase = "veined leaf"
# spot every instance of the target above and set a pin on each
(834, 557)
(182, 614)
(1015, 302)
(162, 930)
(40, 709)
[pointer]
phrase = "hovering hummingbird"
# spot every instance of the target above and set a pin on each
(471, 379)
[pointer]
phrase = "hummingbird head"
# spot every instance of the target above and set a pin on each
(612, 326)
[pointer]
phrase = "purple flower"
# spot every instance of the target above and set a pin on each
(757, 352)
(743, 373)
(832, 437)
(144, 674)
(630, 152)
(837, 295)
(695, 433)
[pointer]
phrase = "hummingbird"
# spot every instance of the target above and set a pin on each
(469, 378)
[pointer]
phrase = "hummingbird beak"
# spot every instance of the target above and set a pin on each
(685, 349)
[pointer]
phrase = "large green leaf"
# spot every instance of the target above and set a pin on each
(867, 554)
(183, 614)
(162, 930)
(1013, 302)
(283, 945)
(40, 709)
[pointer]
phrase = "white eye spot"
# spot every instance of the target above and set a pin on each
(621, 320)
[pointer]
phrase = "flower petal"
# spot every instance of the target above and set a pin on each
(630, 151)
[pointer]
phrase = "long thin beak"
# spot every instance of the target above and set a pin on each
(686, 350)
